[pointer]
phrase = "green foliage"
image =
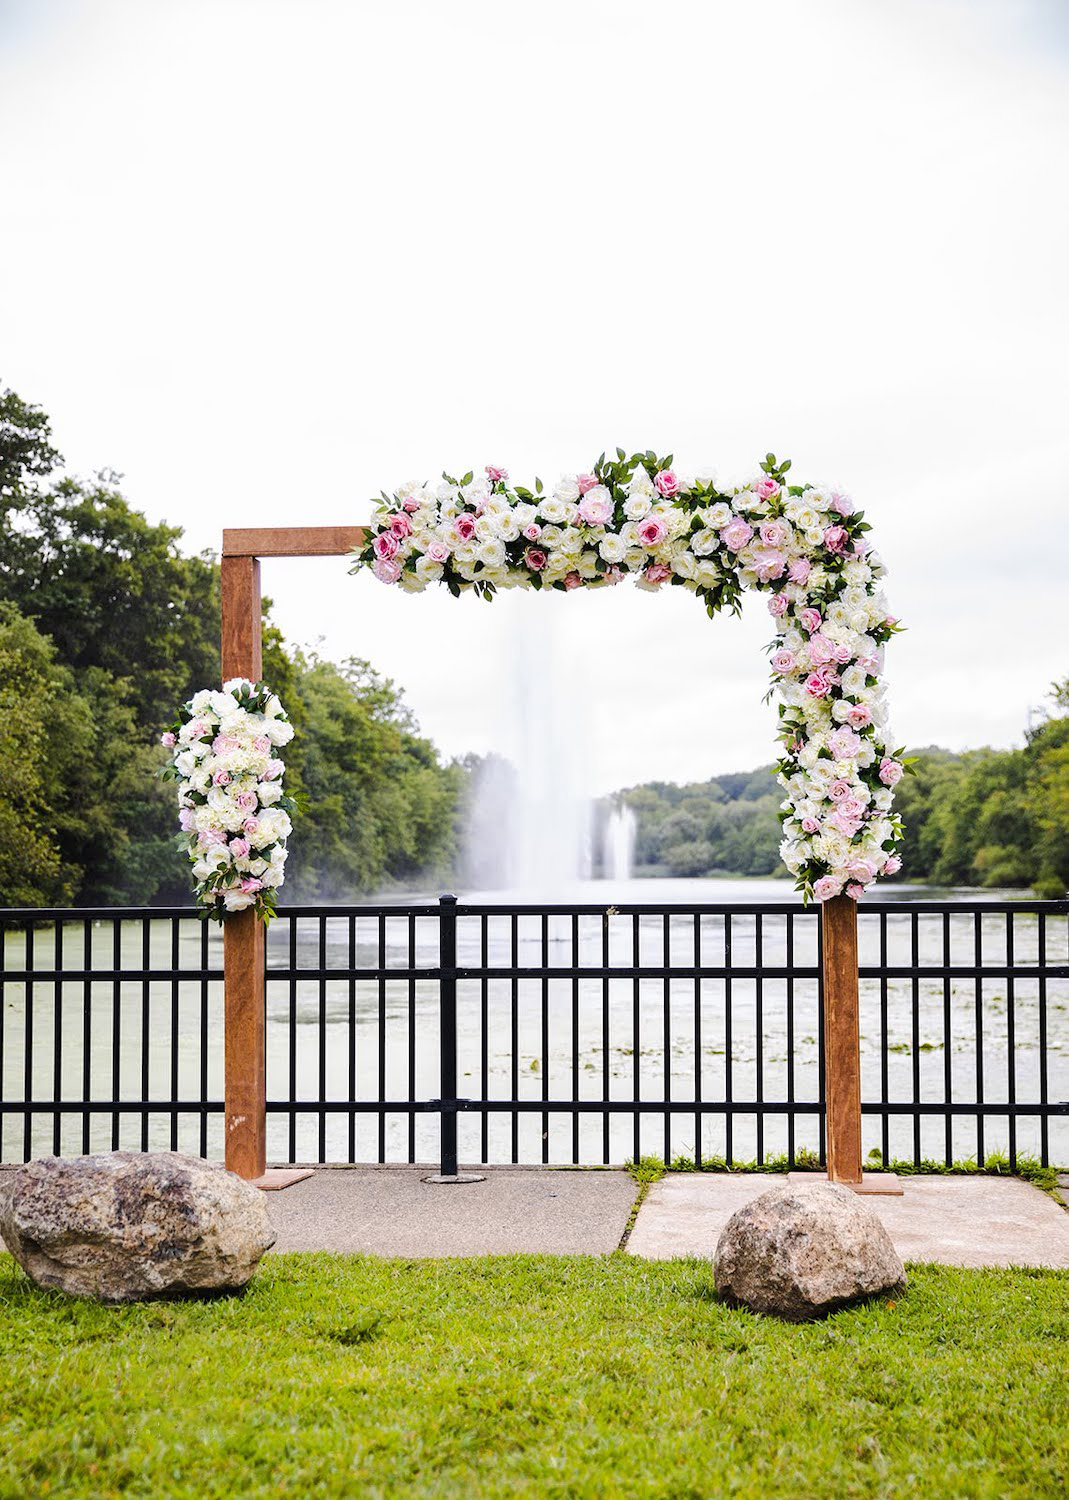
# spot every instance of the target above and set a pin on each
(338, 1376)
(726, 826)
(105, 628)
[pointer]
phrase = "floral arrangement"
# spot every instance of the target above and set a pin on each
(234, 816)
(639, 517)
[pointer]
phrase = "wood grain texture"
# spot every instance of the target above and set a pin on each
(244, 981)
(842, 1052)
(292, 541)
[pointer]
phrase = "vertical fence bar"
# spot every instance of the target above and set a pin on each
(57, 1042)
(322, 1059)
(789, 956)
(605, 1143)
(1041, 959)
(204, 1039)
(514, 1021)
(411, 1040)
(382, 1023)
(697, 1041)
(759, 1036)
(27, 1126)
(978, 955)
(636, 1043)
(1011, 1042)
(948, 1071)
(885, 1081)
(915, 1034)
(576, 950)
(87, 1031)
(666, 1029)
(116, 1027)
(145, 962)
(291, 1040)
(484, 1036)
(729, 1118)
(447, 990)
(545, 1035)
(351, 1044)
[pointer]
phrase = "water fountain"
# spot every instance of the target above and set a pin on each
(618, 852)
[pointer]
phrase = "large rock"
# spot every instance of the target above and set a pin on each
(801, 1252)
(132, 1225)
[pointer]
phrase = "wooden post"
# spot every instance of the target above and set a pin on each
(842, 1050)
(243, 934)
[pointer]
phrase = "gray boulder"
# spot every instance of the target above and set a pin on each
(801, 1252)
(132, 1225)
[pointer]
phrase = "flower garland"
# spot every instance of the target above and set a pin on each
(803, 545)
(234, 815)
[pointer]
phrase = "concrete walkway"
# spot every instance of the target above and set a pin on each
(392, 1211)
(953, 1221)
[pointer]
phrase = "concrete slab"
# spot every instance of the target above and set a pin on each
(953, 1221)
(392, 1211)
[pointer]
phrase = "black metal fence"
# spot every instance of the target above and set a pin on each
(556, 1034)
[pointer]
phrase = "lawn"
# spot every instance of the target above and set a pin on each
(346, 1376)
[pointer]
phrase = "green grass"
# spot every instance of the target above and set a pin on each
(535, 1376)
(649, 1169)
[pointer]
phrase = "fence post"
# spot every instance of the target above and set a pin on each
(842, 1049)
(447, 1018)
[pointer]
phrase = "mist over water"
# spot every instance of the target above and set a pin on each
(530, 826)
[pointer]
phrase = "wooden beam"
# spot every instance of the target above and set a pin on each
(244, 982)
(291, 541)
(842, 1049)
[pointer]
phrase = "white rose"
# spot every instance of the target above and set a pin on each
(553, 510)
(491, 554)
(612, 548)
(637, 506)
(640, 483)
(566, 489)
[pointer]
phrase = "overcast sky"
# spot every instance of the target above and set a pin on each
(268, 258)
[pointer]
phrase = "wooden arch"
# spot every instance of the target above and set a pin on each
(244, 984)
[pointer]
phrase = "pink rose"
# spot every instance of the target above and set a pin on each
(843, 743)
(852, 807)
(667, 483)
(859, 717)
(891, 621)
(410, 504)
(783, 661)
(185, 820)
(817, 685)
(839, 790)
(211, 837)
(809, 619)
(836, 538)
(653, 531)
(587, 482)
(766, 489)
(532, 532)
(222, 743)
(736, 534)
(535, 559)
(768, 564)
(273, 770)
(821, 650)
(221, 778)
(861, 546)
(261, 744)
(826, 887)
(250, 885)
(437, 551)
(400, 526)
(773, 534)
(465, 526)
(844, 824)
(657, 573)
(799, 570)
(778, 605)
(250, 826)
(495, 475)
(862, 871)
(246, 800)
(855, 892)
(168, 739)
(572, 580)
(842, 505)
(810, 825)
(387, 569)
(239, 848)
(595, 508)
(890, 771)
(385, 546)
(893, 865)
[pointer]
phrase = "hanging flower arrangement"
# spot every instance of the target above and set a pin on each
(234, 815)
(638, 517)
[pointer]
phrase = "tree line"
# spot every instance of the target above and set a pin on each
(105, 627)
(982, 818)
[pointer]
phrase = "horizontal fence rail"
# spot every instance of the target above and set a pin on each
(587, 1034)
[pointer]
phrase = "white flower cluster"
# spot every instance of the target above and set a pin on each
(234, 815)
(639, 517)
